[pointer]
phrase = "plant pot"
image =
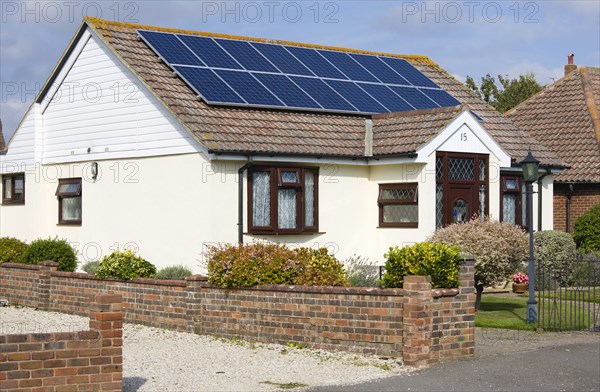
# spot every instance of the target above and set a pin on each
(519, 288)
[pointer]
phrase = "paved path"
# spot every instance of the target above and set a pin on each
(564, 367)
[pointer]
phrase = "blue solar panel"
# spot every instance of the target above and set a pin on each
(208, 85)
(239, 72)
(409, 72)
(282, 59)
(379, 69)
(170, 48)
(246, 55)
(356, 96)
(315, 62)
(287, 91)
(210, 52)
(386, 97)
(414, 97)
(348, 66)
(322, 93)
(441, 97)
(249, 88)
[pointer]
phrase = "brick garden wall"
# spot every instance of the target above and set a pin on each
(67, 361)
(417, 323)
(584, 197)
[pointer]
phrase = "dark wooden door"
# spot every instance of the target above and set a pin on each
(460, 204)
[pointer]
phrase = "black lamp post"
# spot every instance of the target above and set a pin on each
(530, 167)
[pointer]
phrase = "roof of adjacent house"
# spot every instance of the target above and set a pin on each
(2, 143)
(253, 130)
(565, 116)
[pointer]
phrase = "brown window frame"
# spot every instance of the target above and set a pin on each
(519, 198)
(275, 185)
(384, 202)
(12, 200)
(62, 195)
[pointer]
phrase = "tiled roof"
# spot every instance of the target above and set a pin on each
(565, 117)
(405, 132)
(251, 130)
(2, 143)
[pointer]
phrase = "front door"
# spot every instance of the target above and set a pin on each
(462, 187)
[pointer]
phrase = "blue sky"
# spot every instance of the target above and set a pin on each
(464, 37)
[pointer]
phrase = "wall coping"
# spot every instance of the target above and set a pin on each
(314, 289)
(154, 282)
(436, 293)
(20, 266)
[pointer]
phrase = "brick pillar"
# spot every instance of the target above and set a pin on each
(466, 279)
(43, 286)
(106, 317)
(194, 303)
(417, 321)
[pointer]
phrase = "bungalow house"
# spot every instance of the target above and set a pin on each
(167, 140)
(565, 116)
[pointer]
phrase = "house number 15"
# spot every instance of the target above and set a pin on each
(463, 137)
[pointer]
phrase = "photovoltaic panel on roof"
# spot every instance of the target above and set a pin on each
(259, 74)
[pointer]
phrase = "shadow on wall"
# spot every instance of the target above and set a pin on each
(132, 384)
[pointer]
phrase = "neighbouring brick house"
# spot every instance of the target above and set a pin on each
(565, 117)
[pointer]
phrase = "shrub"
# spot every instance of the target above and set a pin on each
(362, 272)
(260, 263)
(174, 272)
(586, 231)
(125, 265)
(91, 267)
(11, 250)
(556, 252)
(319, 268)
(441, 262)
(52, 249)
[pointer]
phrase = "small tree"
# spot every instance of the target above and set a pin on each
(586, 232)
(500, 249)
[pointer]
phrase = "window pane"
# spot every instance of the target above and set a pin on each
(510, 184)
(7, 188)
(71, 187)
(461, 169)
(398, 194)
(439, 168)
(261, 199)
(309, 199)
(400, 213)
(71, 208)
(482, 167)
(286, 208)
(289, 177)
(439, 206)
(509, 208)
(19, 185)
(482, 194)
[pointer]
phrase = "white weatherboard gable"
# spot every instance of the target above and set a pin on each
(464, 134)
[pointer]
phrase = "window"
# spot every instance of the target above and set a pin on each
(13, 188)
(398, 205)
(69, 201)
(513, 208)
(282, 200)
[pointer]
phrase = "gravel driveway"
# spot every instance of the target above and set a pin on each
(161, 360)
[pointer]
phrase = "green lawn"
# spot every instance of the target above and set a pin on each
(510, 313)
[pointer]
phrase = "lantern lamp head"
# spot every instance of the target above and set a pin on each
(530, 167)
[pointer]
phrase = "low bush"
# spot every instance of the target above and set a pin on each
(11, 250)
(261, 263)
(556, 251)
(174, 272)
(53, 249)
(441, 262)
(90, 267)
(586, 231)
(125, 265)
(361, 272)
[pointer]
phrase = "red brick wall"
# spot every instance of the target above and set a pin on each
(584, 197)
(418, 323)
(67, 361)
(354, 319)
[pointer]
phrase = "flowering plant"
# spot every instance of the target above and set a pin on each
(520, 278)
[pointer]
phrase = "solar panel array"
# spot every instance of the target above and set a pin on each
(245, 73)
